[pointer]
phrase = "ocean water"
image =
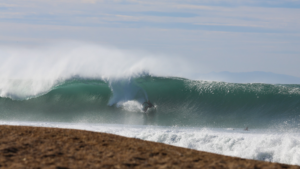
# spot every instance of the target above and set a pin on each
(201, 115)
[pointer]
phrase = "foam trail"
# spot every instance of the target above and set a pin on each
(131, 106)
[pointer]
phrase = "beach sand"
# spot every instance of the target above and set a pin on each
(37, 147)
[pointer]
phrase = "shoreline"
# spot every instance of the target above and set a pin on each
(40, 147)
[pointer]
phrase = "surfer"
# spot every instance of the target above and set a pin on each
(147, 105)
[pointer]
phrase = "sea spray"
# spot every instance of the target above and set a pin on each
(64, 60)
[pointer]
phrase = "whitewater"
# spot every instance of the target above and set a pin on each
(102, 89)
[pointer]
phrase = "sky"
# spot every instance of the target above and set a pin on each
(204, 35)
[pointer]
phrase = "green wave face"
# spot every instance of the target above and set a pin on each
(178, 102)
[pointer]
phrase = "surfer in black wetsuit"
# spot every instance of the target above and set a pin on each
(147, 105)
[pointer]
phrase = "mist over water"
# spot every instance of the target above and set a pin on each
(86, 85)
(67, 59)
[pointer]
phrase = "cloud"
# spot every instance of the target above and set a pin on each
(170, 14)
(91, 1)
(189, 6)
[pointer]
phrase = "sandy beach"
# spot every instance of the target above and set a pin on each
(37, 147)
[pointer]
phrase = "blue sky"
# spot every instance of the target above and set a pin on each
(211, 35)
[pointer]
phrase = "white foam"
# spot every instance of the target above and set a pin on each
(131, 106)
(258, 145)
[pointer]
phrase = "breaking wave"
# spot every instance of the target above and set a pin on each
(179, 102)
